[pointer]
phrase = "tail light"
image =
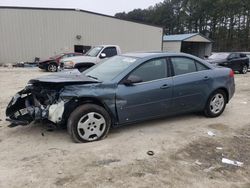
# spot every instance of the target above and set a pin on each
(231, 74)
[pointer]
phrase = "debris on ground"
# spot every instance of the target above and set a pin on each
(219, 148)
(150, 153)
(1, 120)
(25, 64)
(60, 172)
(231, 162)
(42, 134)
(210, 133)
(106, 162)
(244, 102)
(198, 162)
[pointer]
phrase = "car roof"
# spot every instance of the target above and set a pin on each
(105, 46)
(151, 55)
(154, 54)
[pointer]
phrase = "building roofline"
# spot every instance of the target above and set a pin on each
(194, 34)
(80, 10)
(201, 36)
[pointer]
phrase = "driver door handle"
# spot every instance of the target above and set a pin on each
(206, 78)
(165, 86)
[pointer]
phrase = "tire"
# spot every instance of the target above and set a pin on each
(244, 69)
(216, 104)
(88, 123)
(52, 67)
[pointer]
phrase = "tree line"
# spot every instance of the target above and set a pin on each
(226, 22)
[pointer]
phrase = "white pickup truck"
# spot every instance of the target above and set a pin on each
(92, 57)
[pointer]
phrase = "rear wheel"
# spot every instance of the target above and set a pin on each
(216, 104)
(52, 67)
(244, 69)
(88, 123)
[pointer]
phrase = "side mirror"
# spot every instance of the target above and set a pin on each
(103, 55)
(132, 80)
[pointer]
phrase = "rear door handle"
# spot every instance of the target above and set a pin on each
(206, 78)
(165, 86)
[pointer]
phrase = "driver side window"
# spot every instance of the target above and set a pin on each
(110, 51)
(151, 70)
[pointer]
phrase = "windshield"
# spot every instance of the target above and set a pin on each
(110, 68)
(94, 51)
(219, 56)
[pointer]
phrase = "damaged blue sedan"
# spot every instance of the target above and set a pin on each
(124, 89)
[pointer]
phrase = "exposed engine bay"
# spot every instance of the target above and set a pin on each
(42, 98)
(36, 102)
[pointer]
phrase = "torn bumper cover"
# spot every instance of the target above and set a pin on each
(35, 103)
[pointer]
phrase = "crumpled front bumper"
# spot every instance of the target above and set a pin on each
(24, 108)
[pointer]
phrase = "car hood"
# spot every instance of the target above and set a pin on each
(81, 59)
(65, 77)
(45, 60)
(213, 61)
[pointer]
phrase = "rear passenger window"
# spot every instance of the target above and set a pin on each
(182, 65)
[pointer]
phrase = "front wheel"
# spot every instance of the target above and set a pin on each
(52, 67)
(216, 104)
(88, 123)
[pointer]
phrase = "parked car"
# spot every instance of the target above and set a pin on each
(235, 61)
(93, 56)
(248, 55)
(122, 90)
(52, 63)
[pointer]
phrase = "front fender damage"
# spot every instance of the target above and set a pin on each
(56, 112)
(35, 103)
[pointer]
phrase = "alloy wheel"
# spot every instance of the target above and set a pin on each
(217, 103)
(91, 126)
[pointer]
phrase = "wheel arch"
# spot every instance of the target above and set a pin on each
(52, 62)
(225, 90)
(76, 102)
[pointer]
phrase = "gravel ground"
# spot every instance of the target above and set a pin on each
(184, 154)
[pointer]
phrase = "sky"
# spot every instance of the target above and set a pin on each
(109, 7)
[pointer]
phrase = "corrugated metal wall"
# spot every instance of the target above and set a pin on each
(172, 46)
(29, 33)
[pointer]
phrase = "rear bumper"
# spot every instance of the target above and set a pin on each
(231, 89)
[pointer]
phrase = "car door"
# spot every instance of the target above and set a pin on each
(192, 82)
(234, 61)
(148, 99)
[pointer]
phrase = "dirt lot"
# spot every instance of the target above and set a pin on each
(184, 154)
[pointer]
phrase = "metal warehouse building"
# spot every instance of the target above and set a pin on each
(193, 43)
(26, 33)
